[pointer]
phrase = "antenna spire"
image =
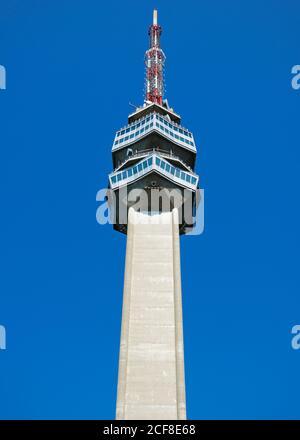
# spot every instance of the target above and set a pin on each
(154, 60)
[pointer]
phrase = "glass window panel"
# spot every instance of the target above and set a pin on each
(194, 180)
(157, 161)
(188, 178)
(134, 170)
(163, 164)
(172, 170)
(150, 161)
(124, 175)
(131, 136)
(129, 172)
(145, 164)
(147, 126)
(177, 174)
(140, 167)
(113, 179)
(168, 167)
(127, 130)
(119, 177)
(182, 175)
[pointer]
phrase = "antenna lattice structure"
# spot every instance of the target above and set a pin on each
(155, 60)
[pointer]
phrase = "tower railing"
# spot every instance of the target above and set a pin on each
(148, 151)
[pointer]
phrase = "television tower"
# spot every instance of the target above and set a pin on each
(152, 155)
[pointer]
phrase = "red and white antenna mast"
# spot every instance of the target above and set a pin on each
(154, 60)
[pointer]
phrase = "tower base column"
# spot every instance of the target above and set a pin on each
(151, 383)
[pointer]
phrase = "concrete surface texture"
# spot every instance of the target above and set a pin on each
(151, 383)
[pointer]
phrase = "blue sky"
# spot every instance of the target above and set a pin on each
(72, 67)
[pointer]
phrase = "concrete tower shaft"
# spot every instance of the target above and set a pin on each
(151, 383)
